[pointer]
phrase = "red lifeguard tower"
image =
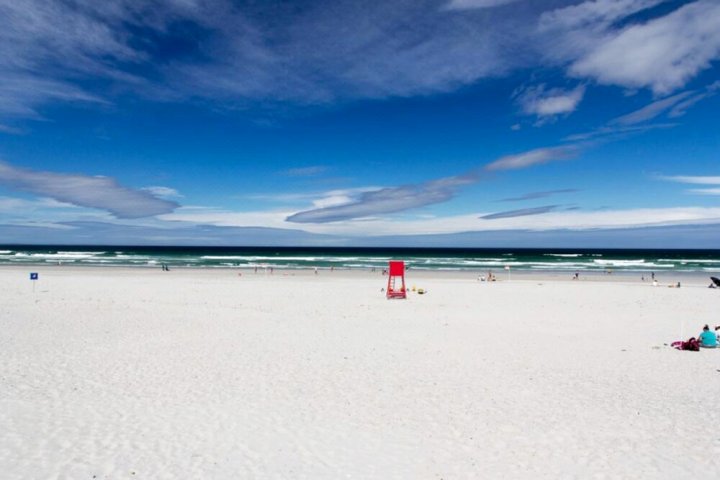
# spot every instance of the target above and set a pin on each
(396, 280)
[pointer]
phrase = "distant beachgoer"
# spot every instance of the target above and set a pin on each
(315, 268)
(576, 276)
(652, 275)
(655, 283)
(642, 279)
(678, 285)
(707, 338)
(692, 344)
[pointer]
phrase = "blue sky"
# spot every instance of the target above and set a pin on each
(412, 122)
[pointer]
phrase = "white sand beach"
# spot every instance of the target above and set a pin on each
(145, 374)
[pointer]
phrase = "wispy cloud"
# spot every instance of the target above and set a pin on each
(558, 219)
(473, 4)
(534, 157)
(705, 191)
(613, 132)
(546, 102)
(639, 120)
(536, 195)
(10, 130)
(387, 200)
(163, 192)
(695, 180)
(58, 51)
(522, 212)
(93, 192)
(652, 110)
(662, 54)
(305, 171)
(691, 179)
(406, 197)
(216, 50)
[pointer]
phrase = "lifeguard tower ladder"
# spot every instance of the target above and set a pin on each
(396, 280)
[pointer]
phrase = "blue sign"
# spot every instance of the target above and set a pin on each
(33, 276)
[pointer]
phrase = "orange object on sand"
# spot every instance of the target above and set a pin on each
(396, 280)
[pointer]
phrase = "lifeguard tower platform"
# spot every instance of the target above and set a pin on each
(396, 280)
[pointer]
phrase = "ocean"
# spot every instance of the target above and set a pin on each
(450, 259)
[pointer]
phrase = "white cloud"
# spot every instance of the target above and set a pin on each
(533, 157)
(662, 53)
(12, 205)
(593, 15)
(521, 212)
(612, 132)
(363, 204)
(332, 201)
(163, 192)
(536, 195)
(652, 110)
(227, 218)
(705, 191)
(386, 200)
(305, 171)
(93, 192)
(472, 4)
(544, 102)
(557, 219)
(695, 180)
(691, 179)
(10, 130)
(74, 51)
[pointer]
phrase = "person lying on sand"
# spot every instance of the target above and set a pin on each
(707, 338)
(692, 345)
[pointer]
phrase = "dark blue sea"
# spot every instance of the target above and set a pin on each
(366, 258)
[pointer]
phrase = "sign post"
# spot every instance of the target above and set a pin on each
(33, 276)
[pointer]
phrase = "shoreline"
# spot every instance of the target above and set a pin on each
(664, 278)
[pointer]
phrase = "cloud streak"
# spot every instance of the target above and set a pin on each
(388, 200)
(94, 192)
(695, 180)
(522, 212)
(531, 158)
(536, 195)
(476, 4)
(406, 197)
(692, 179)
(312, 171)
